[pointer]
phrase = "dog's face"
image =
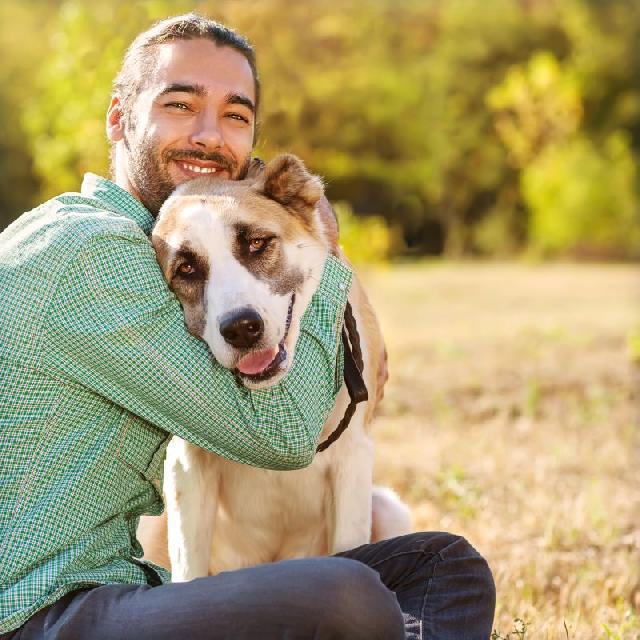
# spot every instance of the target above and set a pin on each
(244, 259)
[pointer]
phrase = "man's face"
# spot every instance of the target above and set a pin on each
(195, 116)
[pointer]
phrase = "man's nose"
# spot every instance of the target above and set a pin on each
(207, 133)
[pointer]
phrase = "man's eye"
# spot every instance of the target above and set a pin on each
(239, 117)
(186, 270)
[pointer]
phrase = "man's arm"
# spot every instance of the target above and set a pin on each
(115, 328)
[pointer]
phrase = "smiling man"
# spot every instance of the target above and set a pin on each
(195, 115)
(98, 371)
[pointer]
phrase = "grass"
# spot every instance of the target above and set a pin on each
(511, 418)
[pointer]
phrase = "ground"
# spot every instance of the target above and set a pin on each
(511, 417)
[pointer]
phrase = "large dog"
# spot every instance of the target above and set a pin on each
(244, 259)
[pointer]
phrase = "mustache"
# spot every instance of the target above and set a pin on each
(214, 156)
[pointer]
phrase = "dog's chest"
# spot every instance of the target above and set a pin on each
(264, 516)
(260, 496)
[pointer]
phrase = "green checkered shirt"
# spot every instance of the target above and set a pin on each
(97, 371)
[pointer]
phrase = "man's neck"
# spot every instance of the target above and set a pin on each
(119, 173)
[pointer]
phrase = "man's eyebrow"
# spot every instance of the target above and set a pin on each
(196, 89)
(200, 91)
(238, 98)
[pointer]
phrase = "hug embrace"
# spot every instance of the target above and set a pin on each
(189, 334)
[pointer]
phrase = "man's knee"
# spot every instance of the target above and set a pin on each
(458, 548)
(443, 546)
(357, 604)
(464, 580)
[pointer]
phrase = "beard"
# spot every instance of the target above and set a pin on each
(149, 170)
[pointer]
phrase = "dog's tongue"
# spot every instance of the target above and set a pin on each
(257, 362)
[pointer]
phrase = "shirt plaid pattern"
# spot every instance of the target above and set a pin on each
(97, 371)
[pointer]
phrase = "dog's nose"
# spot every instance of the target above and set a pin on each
(242, 328)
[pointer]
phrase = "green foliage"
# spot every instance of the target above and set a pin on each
(582, 197)
(18, 182)
(537, 105)
(367, 240)
(433, 115)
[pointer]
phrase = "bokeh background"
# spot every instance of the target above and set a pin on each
(483, 158)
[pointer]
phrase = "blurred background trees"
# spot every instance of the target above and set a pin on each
(466, 128)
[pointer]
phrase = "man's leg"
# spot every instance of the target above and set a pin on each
(312, 599)
(444, 587)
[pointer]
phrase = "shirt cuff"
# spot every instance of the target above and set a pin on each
(335, 282)
(324, 316)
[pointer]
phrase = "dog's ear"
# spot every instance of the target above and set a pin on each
(286, 180)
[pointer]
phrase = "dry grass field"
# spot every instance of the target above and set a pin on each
(511, 418)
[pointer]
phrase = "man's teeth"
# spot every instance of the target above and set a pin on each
(195, 169)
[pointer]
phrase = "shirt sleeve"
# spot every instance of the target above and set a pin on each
(115, 327)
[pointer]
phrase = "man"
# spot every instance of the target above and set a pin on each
(98, 371)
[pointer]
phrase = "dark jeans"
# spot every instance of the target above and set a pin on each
(437, 582)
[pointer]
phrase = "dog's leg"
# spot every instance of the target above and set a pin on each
(351, 480)
(191, 493)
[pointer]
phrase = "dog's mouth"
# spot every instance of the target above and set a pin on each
(262, 365)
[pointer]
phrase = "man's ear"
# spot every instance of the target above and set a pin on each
(286, 180)
(115, 121)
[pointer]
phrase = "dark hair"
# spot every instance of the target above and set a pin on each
(139, 59)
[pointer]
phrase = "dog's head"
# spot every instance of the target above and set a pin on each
(244, 259)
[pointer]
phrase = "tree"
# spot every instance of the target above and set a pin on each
(19, 185)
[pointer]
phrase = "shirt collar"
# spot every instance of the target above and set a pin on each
(116, 199)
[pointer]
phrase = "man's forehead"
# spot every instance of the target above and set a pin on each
(201, 62)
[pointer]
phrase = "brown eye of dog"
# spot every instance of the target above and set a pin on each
(186, 269)
(255, 244)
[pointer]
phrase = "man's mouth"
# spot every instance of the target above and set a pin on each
(193, 164)
(259, 366)
(193, 170)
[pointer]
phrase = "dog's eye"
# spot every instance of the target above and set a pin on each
(257, 244)
(186, 269)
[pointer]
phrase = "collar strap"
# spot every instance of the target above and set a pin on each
(353, 367)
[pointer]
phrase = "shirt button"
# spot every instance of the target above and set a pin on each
(342, 286)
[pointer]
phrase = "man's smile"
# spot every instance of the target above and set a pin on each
(194, 168)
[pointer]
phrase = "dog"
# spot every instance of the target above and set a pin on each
(265, 244)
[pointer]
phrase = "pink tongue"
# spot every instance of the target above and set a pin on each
(257, 362)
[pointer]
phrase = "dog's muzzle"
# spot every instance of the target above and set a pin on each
(258, 366)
